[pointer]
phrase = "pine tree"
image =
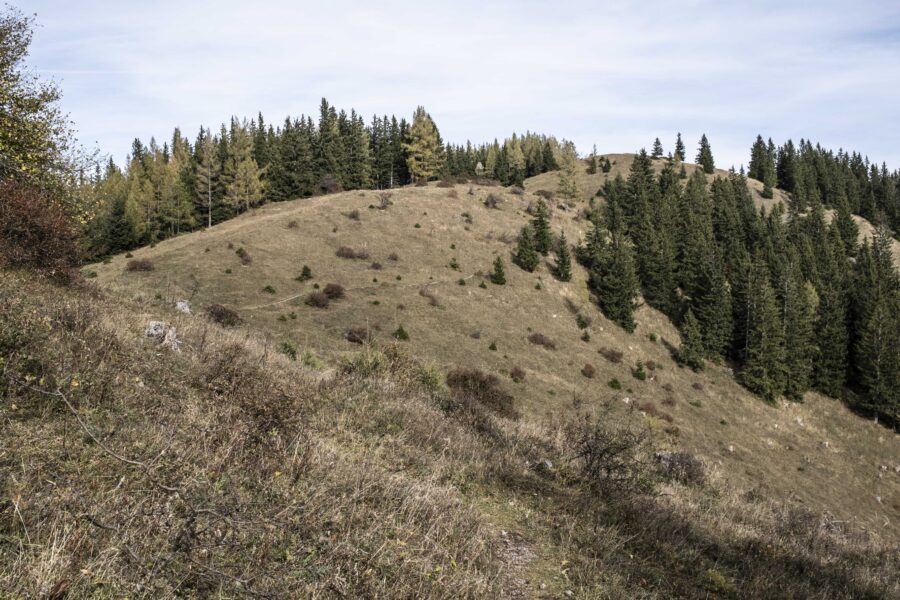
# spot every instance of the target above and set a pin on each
(563, 268)
(705, 157)
(657, 149)
(830, 371)
(526, 256)
(615, 283)
(878, 352)
(540, 224)
(568, 181)
(799, 302)
(692, 349)
(764, 371)
(592, 162)
(678, 155)
(425, 151)
(498, 276)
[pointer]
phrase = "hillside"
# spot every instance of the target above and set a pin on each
(815, 454)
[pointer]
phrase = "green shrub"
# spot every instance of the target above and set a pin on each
(400, 333)
(305, 274)
(638, 372)
(615, 384)
(269, 289)
(288, 349)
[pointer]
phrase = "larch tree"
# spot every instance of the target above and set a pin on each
(568, 180)
(425, 152)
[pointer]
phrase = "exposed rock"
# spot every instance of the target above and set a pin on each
(183, 306)
(156, 329)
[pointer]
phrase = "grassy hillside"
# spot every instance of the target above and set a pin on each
(816, 454)
(226, 470)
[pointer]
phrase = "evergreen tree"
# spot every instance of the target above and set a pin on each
(568, 181)
(592, 162)
(425, 152)
(764, 371)
(515, 161)
(563, 268)
(657, 149)
(799, 302)
(498, 275)
(615, 283)
(526, 256)
(692, 349)
(705, 157)
(830, 371)
(679, 153)
(878, 352)
(540, 224)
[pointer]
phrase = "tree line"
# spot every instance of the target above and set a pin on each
(183, 185)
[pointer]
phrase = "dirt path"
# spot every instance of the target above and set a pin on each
(518, 555)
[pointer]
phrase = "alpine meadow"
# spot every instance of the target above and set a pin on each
(329, 355)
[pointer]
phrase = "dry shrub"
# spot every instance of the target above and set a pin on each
(588, 371)
(393, 256)
(292, 224)
(353, 215)
(613, 356)
(333, 291)
(681, 466)
(36, 232)
(484, 388)
(650, 409)
(357, 335)
(317, 300)
(492, 200)
(545, 194)
(139, 264)
(432, 298)
(453, 194)
(668, 401)
(446, 182)
(697, 386)
(224, 316)
(668, 387)
(376, 266)
(245, 257)
(539, 339)
(517, 190)
(517, 374)
(384, 200)
(348, 252)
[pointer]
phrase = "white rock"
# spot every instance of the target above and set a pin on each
(731, 448)
(171, 340)
(183, 306)
(156, 329)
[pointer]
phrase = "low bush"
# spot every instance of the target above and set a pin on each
(393, 256)
(400, 333)
(682, 467)
(615, 384)
(317, 300)
(348, 252)
(582, 321)
(517, 374)
(613, 356)
(432, 298)
(638, 372)
(650, 409)
(376, 266)
(353, 215)
(224, 316)
(545, 194)
(139, 264)
(305, 274)
(293, 224)
(288, 349)
(516, 190)
(492, 200)
(588, 371)
(357, 335)
(268, 289)
(483, 388)
(333, 291)
(539, 339)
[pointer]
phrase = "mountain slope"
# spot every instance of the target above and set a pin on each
(816, 453)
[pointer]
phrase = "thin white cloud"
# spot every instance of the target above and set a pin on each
(612, 73)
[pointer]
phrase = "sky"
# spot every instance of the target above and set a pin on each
(615, 74)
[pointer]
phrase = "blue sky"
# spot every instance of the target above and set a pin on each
(616, 74)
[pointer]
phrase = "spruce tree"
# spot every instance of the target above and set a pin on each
(799, 302)
(705, 157)
(540, 224)
(563, 268)
(592, 162)
(657, 149)
(692, 349)
(425, 151)
(764, 371)
(526, 256)
(878, 352)
(679, 155)
(498, 275)
(615, 283)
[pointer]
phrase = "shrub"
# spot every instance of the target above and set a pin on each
(305, 274)
(36, 232)
(650, 409)
(384, 200)
(498, 275)
(353, 215)
(460, 281)
(613, 455)
(516, 190)
(224, 316)
(329, 185)
(357, 335)
(493, 347)
(545, 194)
(453, 194)
(582, 321)
(539, 339)
(613, 356)
(400, 333)
(484, 388)
(375, 266)
(348, 252)
(317, 300)
(614, 384)
(517, 374)
(245, 257)
(588, 371)
(268, 289)
(585, 336)
(697, 386)
(333, 291)
(432, 299)
(130, 255)
(454, 264)
(139, 264)
(446, 182)
(492, 200)
(288, 349)
(638, 372)
(421, 182)
(393, 256)
(292, 224)
(668, 401)
(681, 466)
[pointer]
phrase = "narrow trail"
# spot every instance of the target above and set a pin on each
(518, 556)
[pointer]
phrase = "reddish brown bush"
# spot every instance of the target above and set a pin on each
(139, 264)
(668, 401)
(393, 256)
(483, 388)
(588, 371)
(224, 316)
(333, 291)
(613, 356)
(432, 299)
(539, 339)
(697, 386)
(348, 252)
(376, 266)
(517, 374)
(36, 232)
(317, 300)
(357, 335)
(650, 409)
(353, 215)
